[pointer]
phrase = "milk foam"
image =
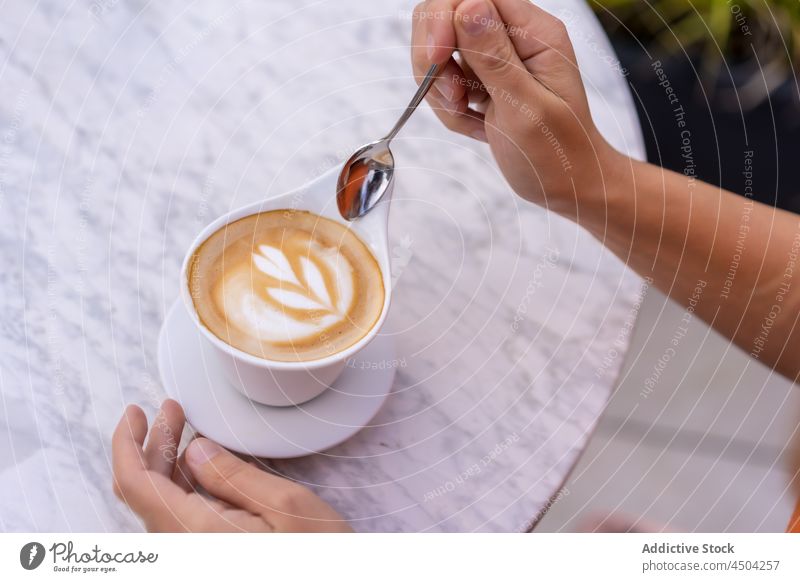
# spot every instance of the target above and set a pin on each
(286, 285)
(288, 306)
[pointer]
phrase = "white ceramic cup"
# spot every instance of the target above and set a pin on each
(289, 383)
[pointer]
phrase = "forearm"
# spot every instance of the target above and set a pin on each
(731, 260)
(728, 258)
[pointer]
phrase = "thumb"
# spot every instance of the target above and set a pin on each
(484, 44)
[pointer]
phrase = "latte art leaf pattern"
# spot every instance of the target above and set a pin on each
(305, 285)
(274, 263)
(286, 285)
(315, 280)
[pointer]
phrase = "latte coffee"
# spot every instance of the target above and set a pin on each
(286, 285)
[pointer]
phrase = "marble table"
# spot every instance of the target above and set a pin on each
(125, 126)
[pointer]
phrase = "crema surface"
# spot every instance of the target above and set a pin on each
(286, 285)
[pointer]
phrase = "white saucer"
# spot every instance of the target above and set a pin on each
(220, 412)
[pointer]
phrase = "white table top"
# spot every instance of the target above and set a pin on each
(127, 126)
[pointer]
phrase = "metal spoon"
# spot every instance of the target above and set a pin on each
(366, 176)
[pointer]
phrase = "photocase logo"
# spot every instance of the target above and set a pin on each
(31, 555)
(69, 559)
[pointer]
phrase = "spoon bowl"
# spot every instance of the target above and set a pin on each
(364, 179)
(367, 175)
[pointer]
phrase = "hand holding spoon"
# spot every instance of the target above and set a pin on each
(366, 176)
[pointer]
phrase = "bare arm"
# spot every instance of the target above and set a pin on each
(728, 258)
(732, 260)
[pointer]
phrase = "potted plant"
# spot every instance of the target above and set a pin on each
(729, 65)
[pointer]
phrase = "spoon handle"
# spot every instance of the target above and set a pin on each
(415, 101)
